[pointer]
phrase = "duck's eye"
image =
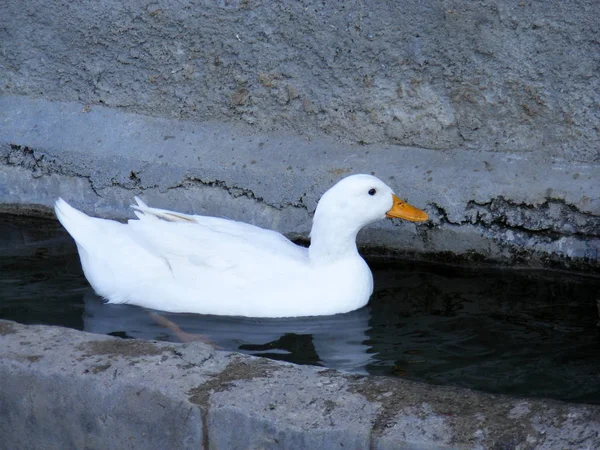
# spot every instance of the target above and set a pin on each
(373, 191)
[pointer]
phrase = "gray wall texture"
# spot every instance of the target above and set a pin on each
(492, 75)
(484, 113)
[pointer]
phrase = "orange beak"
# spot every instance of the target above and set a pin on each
(402, 210)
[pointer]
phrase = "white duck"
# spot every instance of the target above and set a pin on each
(187, 263)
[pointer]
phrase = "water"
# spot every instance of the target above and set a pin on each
(525, 333)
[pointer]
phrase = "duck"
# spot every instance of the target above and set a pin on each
(181, 263)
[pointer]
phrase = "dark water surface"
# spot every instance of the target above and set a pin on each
(526, 333)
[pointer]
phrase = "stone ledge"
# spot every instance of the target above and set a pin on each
(501, 207)
(62, 388)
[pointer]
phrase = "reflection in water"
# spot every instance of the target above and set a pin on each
(331, 341)
(515, 332)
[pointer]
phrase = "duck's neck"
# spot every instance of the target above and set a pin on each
(331, 239)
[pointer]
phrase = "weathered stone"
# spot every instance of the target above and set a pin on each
(483, 205)
(483, 112)
(67, 389)
(499, 75)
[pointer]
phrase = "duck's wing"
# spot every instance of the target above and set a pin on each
(234, 228)
(213, 245)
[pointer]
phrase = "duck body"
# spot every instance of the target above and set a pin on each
(176, 262)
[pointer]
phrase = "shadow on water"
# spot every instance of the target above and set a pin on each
(528, 333)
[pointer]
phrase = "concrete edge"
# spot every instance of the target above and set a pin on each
(484, 206)
(63, 388)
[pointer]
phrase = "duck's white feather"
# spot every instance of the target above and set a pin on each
(187, 263)
(214, 235)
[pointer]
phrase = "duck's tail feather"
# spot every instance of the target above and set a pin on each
(79, 225)
(70, 218)
(164, 214)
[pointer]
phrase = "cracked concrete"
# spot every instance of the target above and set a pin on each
(483, 114)
(485, 206)
(158, 395)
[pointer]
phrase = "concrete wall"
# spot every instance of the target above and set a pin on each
(486, 114)
(71, 390)
(494, 75)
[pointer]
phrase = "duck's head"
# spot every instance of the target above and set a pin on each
(362, 199)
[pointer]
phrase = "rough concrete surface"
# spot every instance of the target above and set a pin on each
(485, 113)
(67, 389)
(503, 207)
(498, 75)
